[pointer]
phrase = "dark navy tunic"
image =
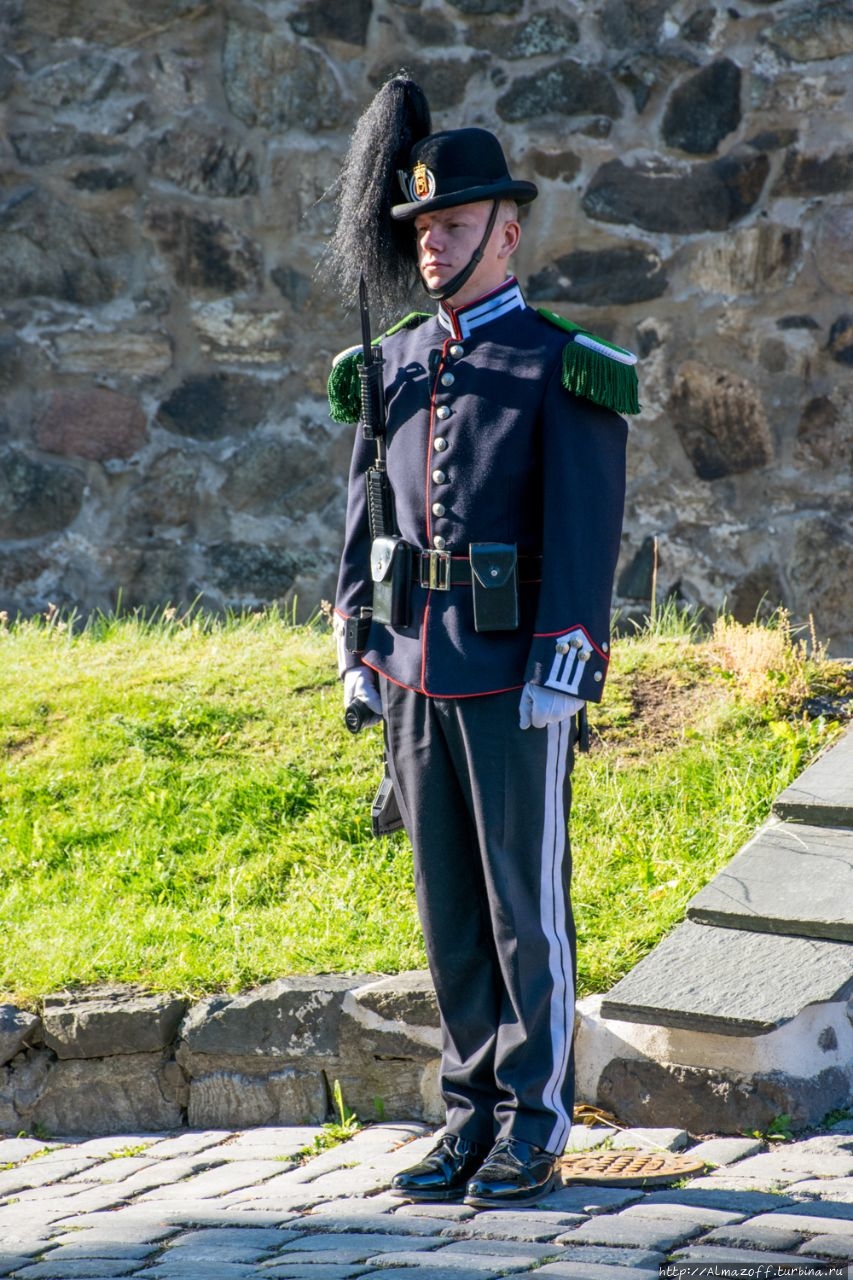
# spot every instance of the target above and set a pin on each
(484, 444)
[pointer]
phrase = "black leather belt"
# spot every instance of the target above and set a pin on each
(439, 570)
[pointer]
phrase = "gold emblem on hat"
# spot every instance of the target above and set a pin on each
(423, 182)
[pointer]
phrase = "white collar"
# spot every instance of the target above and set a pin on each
(461, 321)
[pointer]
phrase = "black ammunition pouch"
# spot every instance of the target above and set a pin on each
(494, 582)
(356, 631)
(391, 570)
(385, 812)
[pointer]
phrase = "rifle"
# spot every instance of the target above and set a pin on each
(388, 606)
(380, 510)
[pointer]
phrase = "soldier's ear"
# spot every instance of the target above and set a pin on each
(511, 234)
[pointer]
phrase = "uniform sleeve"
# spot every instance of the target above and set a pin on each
(355, 589)
(583, 498)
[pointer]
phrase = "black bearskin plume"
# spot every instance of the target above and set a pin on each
(366, 240)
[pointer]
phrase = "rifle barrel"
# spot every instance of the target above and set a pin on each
(365, 321)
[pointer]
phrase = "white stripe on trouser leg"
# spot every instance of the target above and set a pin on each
(552, 913)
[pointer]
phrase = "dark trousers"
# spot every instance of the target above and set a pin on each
(486, 805)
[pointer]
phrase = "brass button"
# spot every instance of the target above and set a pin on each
(438, 542)
(456, 351)
(447, 379)
(584, 656)
(439, 444)
(605, 647)
(438, 508)
(562, 647)
(576, 642)
(596, 675)
(442, 412)
(439, 477)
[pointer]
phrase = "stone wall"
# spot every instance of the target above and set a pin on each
(117, 1060)
(163, 351)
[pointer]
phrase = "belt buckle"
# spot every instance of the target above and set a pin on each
(439, 570)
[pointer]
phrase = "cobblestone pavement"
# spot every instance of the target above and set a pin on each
(205, 1205)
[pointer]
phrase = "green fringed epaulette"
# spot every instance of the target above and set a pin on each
(597, 370)
(344, 385)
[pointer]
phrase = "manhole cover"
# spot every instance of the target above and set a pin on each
(629, 1168)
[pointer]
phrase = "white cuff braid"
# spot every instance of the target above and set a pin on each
(540, 706)
(360, 686)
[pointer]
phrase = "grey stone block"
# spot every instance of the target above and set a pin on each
(749, 1236)
(419, 1271)
(222, 1180)
(286, 1096)
(269, 1142)
(86, 1250)
(455, 1212)
(656, 1234)
(322, 1271)
(575, 1198)
(829, 1218)
(180, 1270)
(17, 1028)
(838, 1247)
(823, 793)
(726, 1151)
(650, 1139)
(686, 1214)
(726, 980)
(823, 1189)
(406, 997)
(588, 1137)
(538, 1224)
(745, 1257)
(110, 1020)
(354, 1246)
(706, 1098)
(388, 1069)
(224, 1244)
(490, 1263)
(14, 1149)
(611, 1257)
(738, 1201)
(90, 1269)
(825, 1156)
(513, 1250)
(35, 1173)
(382, 1205)
(289, 1018)
(790, 878)
(597, 1271)
(327, 1218)
(111, 1095)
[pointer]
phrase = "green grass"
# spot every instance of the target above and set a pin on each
(181, 807)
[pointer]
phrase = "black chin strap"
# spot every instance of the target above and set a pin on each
(462, 277)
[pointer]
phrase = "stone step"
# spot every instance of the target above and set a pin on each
(791, 878)
(731, 981)
(823, 794)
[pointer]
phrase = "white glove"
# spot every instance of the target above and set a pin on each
(540, 706)
(360, 686)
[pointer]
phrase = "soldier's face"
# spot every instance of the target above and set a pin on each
(447, 238)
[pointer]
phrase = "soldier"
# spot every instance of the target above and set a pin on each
(505, 456)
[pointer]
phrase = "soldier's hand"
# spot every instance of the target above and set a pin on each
(540, 706)
(360, 686)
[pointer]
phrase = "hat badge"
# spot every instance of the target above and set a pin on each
(423, 182)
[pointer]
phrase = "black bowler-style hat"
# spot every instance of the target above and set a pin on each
(457, 166)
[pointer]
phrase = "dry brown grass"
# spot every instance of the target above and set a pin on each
(771, 663)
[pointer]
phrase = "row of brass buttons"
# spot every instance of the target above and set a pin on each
(440, 443)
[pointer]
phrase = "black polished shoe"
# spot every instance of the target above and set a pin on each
(443, 1173)
(514, 1172)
